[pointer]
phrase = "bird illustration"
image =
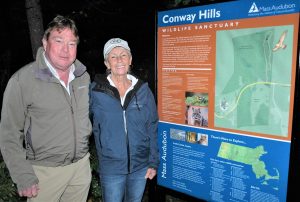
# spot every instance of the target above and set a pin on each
(280, 42)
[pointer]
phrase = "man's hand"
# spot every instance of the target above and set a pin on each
(30, 192)
(151, 172)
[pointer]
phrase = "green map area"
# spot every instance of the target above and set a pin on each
(249, 156)
(253, 80)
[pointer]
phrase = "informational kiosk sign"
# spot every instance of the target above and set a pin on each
(226, 82)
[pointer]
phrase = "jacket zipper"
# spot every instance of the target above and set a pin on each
(69, 101)
(73, 121)
(127, 140)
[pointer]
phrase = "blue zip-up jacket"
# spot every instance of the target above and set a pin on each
(125, 136)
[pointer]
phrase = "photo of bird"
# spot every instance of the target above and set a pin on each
(280, 42)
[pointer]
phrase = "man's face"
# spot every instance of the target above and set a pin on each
(61, 48)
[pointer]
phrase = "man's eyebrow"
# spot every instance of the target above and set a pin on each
(57, 37)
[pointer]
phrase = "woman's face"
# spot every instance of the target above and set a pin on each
(118, 61)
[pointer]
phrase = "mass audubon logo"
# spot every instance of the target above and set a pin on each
(253, 8)
(271, 9)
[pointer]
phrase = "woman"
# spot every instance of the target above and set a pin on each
(124, 126)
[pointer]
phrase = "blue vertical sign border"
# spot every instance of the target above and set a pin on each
(201, 188)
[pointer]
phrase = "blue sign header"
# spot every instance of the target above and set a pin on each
(227, 11)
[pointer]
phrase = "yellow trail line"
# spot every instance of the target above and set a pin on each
(248, 86)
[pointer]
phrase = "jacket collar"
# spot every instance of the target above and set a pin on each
(102, 84)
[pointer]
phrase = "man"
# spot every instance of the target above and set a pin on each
(45, 126)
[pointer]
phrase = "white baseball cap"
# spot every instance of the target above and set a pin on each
(112, 43)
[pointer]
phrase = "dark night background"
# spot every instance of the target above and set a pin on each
(97, 22)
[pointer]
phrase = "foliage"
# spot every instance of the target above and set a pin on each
(197, 100)
(8, 190)
(95, 190)
(185, 2)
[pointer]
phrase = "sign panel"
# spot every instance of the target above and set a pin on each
(226, 82)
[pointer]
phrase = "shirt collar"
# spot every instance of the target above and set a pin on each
(133, 79)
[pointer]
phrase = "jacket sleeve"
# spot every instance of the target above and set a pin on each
(12, 136)
(95, 124)
(154, 153)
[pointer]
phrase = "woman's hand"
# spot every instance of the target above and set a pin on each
(151, 172)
